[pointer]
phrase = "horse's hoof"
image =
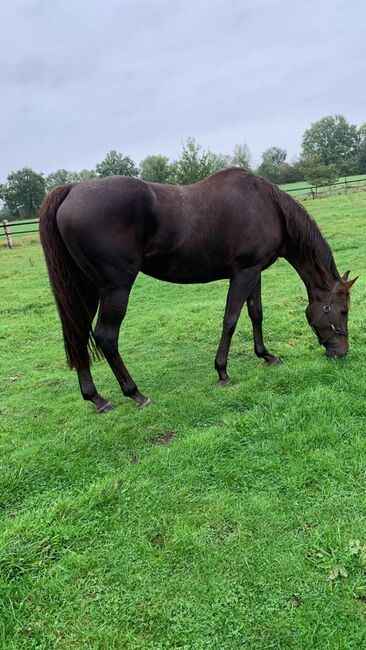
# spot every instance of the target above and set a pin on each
(106, 408)
(272, 361)
(142, 401)
(224, 382)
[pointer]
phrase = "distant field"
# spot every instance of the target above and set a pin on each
(303, 186)
(246, 530)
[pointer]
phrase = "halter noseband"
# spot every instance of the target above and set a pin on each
(336, 330)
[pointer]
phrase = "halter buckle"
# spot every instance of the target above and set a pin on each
(326, 309)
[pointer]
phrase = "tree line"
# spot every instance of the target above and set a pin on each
(330, 148)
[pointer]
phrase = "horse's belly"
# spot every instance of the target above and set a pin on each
(179, 269)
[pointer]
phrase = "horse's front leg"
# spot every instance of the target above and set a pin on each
(242, 284)
(254, 305)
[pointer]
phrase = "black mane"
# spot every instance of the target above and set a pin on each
(305, 235)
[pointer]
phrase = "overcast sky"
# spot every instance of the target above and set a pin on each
(82, 77)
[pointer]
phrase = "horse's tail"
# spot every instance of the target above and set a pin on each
(69, 284)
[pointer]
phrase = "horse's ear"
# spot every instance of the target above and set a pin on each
(345, 276)
(346, 284)
(351, 283)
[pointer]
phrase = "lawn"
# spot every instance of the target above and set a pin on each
(215, 519)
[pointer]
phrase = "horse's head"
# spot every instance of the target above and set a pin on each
(327, 314)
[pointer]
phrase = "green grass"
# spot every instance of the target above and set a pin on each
(238, 533)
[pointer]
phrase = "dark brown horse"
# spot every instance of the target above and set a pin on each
(98, 235)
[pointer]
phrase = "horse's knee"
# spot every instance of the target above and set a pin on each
(106, 341)
(256, 315)
(230, 325)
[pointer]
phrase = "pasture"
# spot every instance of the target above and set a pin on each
(215, 519)
(344, 185)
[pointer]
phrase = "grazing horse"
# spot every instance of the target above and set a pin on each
(97, 236)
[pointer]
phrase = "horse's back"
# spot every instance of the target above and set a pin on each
(205, 229)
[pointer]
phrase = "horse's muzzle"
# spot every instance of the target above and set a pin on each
(336, 354)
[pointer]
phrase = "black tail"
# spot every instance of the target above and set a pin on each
(69, 285)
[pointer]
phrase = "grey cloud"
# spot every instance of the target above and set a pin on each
(81, 77)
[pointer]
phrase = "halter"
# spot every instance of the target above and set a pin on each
(336, 330)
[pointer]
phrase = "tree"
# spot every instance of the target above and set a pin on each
(114, 164)
(218, 161)
(23, 193)
(291, 172)
(288, 173)
(64, 176)
(82, 175)
(274, 155)
(273, 165)
(58, 177)
(361, 157)
(156, 169)
(331, 139)
(241, 156)
(193, 165)
(318, 174)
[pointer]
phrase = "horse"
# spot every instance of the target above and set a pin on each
(98, 235)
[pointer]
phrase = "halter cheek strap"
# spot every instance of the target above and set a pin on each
(336, 330)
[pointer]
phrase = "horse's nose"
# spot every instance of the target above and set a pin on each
(332, 353)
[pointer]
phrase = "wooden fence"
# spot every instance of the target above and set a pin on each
(28, 227)
(317, 191)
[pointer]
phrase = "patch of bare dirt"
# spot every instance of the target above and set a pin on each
(164, 439)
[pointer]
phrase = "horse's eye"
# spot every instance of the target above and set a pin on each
(344, 312)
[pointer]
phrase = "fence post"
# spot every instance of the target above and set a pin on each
(7, 233)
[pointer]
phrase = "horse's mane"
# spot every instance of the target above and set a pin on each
(305, 236)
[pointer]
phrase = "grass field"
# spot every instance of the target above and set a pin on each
(217, 518)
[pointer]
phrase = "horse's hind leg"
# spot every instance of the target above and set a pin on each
(89, 392)
(242, 284)
(254, 305)
(113, 306)
(87, 387)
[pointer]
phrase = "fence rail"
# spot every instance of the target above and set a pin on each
(306, 192)
(340, 187)
(14, 232)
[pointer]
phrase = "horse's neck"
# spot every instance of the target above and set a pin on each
(306, 249)
(313, 276)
